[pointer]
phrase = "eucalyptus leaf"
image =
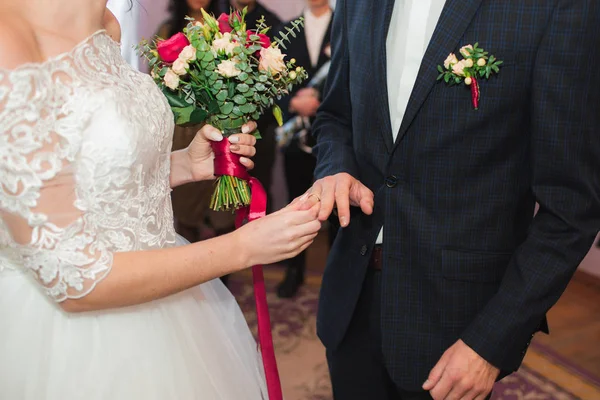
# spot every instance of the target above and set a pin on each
(239, 99)
(222, 95)
(243, 76)
(260, 87)
(242, 88)
(208, 56)
(227, 108)
(237, 111)
(263, 78)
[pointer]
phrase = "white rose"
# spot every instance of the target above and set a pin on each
(271, 59)
(171, 79)
(465, 50)
(228, 69)
(224, 44)
(188, 54)
(180, 67)
(450, 60)
(459, 68)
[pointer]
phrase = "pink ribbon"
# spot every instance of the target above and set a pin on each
(227, 163)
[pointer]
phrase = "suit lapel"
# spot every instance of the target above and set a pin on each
(382, 13)
(454, 21)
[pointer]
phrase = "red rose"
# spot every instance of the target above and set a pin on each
(264, 39)
(169, 49)
(224, 25)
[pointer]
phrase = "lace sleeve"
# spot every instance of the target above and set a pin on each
(46, 220)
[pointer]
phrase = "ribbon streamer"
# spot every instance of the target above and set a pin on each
(227, 163)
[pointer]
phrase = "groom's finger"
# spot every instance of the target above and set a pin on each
(342, 202)
(327, 197)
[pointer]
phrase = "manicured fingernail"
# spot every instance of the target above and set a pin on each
(234, 139)
(244, 160)
(245, 129)
(234, 147)
(343, 221)
(215, 135)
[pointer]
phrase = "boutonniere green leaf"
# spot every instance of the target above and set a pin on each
(475, 65)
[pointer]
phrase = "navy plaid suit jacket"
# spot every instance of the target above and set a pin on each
(463, 255)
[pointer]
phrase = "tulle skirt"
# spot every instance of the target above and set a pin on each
(194, 345)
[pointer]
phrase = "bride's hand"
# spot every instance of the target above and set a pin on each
(281, 235)
(201, 156)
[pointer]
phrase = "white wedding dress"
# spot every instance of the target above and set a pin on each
(84, 173)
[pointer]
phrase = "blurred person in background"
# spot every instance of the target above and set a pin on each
(311, 49)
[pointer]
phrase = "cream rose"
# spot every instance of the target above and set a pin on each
(465, 50)
(468, 63)
(468, 81)
(450, 60)
(481, 62)
(171, 79)
(180, 67)
(271, 59)
(224, 44)
(228, 69)
(459, 68)
(188, 54)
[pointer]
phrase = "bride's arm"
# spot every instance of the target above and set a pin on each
(140, 277)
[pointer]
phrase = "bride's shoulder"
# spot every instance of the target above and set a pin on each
(112, 26)
(18, 44)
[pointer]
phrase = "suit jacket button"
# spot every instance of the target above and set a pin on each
(363, 250)
(391, 181)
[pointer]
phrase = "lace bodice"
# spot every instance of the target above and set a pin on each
(85, 146)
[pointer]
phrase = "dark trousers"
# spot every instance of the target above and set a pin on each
(299, 175)
(357, 368)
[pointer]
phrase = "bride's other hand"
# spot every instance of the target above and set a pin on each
(201, 155)
(281, 235)
(196, 162)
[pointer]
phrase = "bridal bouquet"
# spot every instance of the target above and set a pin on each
(220, 73)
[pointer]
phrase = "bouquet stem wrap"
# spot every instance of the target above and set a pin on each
(227, 164)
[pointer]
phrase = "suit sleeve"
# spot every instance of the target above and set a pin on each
(565, 168)
(333, 125)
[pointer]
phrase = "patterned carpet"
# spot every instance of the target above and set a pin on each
(303, 367)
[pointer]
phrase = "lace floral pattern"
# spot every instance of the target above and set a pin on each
(85, 146)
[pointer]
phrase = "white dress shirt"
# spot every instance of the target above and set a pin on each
(315, 29)
(411, 29)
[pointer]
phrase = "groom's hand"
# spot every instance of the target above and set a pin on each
(461, 374)
(341, 191)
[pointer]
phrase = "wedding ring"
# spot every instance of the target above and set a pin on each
(317, 196)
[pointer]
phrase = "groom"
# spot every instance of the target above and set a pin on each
(437, 287)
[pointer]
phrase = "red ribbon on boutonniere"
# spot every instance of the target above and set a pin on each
(475, 65)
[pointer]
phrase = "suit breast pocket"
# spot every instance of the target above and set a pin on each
(470, 280)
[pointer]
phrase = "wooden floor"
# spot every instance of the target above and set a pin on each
(574, 320)
(575, 325)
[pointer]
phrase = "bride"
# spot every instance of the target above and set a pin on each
(99, 299)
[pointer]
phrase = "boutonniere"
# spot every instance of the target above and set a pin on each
(475, 65)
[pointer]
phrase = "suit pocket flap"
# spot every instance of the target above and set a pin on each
(470, 266)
